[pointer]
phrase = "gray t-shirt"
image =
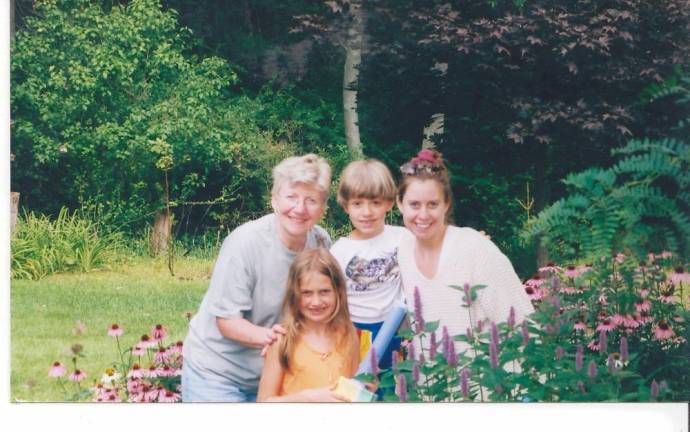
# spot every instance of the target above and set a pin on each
(249, 281)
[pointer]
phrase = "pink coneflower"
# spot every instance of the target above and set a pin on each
(139, 350)
(135, 372)
(579, 325)
(176, 347)
(151, 371)
(418, 317)
(572, 272)
(152, 393)
(643, 318)
(168, 396)
(666, 294)
(145, 341)
(606, 325)
(593, 345)
(115, 330)
(534, 293)
(603, 300)
(617, 319)
(644, 292)
(663, 331)
(679, 276)
(569, 290)
(551, 268)
(630, 322)
(166, 371)
(57, 370)
(158, 332)
(111, 397)
(162, 355)
(535, 281)
(642, 305)
(77, 375)
(133, 385)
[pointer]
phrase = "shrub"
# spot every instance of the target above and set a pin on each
(72, 242)
(613, 331)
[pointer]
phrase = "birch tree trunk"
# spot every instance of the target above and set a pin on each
(162, 230)
(435, 127)
(353, 59)
(14, 206)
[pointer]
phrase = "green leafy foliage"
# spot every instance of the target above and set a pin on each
(639, 204)
(72, 242)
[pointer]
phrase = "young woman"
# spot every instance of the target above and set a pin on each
(439, 255)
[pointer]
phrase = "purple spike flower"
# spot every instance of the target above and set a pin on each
(411, 352)
(395, 358)
(498, 389)
(581, 387)
(624, 349)
(525, 333)
(451, 356)
(422, 359)
(445, 341)
(493, 351)
(402, 388)
(470, 335)
(559, 353)
(654, 389)
(415, 373)
(494, 332)
(374, 364)
(579, 358)
(555, 283)
(468, 295)
(465, 382)
(418, 318)
(480, 326)
(603, 341)
(511, 317)
(432, 346)
(592, 369)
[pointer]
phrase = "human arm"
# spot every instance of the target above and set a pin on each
(248, 334)
(272, 379)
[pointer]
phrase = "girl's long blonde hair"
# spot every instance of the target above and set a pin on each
(321, 261)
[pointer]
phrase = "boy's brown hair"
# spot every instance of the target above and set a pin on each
(366, 179)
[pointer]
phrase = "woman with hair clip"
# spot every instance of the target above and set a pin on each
(439, 254)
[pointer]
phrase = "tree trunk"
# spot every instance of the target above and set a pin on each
(353, 59)
(434, 128)
(14, 209)
(162, 230)
(12, 7)
(436, 122)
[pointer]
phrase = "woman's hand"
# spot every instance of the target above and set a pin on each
(271, 336)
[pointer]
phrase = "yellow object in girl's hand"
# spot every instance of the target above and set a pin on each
(353, 390)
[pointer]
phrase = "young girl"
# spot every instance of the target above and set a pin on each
(320, 343)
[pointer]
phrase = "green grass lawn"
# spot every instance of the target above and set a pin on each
(136, 295)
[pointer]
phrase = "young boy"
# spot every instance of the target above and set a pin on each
(369, 255)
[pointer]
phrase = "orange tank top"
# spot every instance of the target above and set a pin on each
(310, 368)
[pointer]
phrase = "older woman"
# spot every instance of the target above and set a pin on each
(438, 255)
(238, 315)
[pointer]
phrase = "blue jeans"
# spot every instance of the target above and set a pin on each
(196, 388)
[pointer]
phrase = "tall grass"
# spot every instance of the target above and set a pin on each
(71, 242)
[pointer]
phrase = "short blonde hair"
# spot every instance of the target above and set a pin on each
(309, 169)
(366, 179)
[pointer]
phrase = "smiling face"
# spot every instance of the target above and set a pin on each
(424, 209)
(368, 216)
(298, 208)
(317, 298)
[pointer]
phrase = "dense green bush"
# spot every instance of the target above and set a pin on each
(41, 246)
